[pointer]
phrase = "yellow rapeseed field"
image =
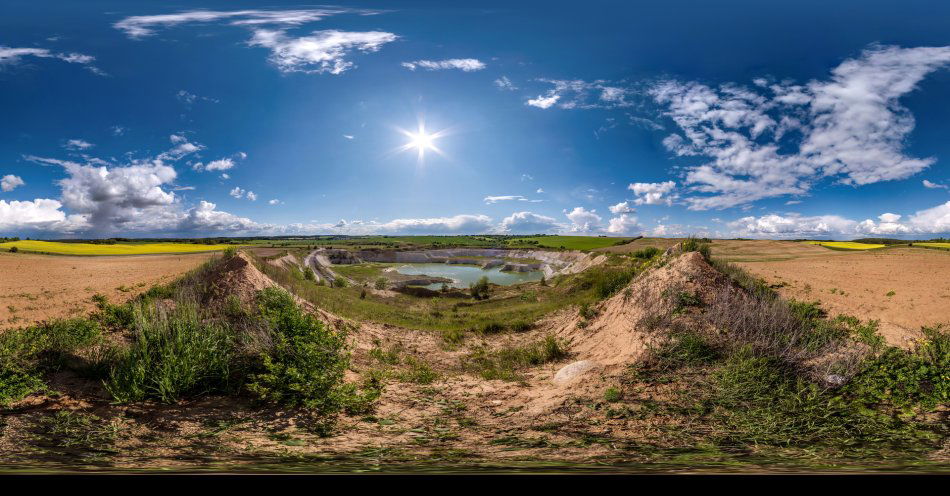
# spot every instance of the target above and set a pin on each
(116, 249)
(943, 246)
(845, 245)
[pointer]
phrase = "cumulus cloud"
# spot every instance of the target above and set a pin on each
(321, 52)
(624, 224)
(622, 208)
(237, 192)
(850, 127)
(528, 223)
(462, 224)
(653, 193)
(583, 220)
(934, 220)
(251, 196)
(41, 215)
(466, 65)
(274, 202)
(543, 101)
(215, 165)
(9, 182)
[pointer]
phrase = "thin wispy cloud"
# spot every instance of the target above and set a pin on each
(465, 65)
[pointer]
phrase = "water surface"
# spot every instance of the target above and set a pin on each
(463, 275)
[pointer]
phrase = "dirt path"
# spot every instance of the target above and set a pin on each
(40, 287)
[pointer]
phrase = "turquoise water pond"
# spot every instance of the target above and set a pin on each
(463, 275)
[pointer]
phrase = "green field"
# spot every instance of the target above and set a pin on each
(107, 249)
(567, 242)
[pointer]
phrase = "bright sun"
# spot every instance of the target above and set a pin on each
(421, 141)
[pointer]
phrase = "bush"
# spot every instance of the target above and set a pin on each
(309, 275)
(172, 356)
(647, 253)
(306, 364)
(14, 249)
(758, 401)
(697, 245)
(909, 379)
(380, 283)
(481, 290)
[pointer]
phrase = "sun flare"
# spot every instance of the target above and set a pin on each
(422, 141)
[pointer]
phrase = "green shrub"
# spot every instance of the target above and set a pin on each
(114, 316)
(380, 283)
(909, 379)
(647, 253)
(307, 362)
(758, 400)
(697, 245)
(172, 356)
(612, 395)
(480, 290)
(309, 275)
(14, 249)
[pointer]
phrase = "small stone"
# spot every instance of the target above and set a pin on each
(835, 380)
(572, 370)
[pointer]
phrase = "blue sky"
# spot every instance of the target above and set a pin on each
(658, 118)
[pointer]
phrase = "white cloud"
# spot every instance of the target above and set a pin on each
(321, 52)
(77, 144)
(495, 199)
(503, 83)
(621, 208)
(934, 220)
(214, 165)
(348, 136)
(466, 65)
(580, 94)
(930, 185)
(274, 202)
(543, 102)
(539, 191)
(624, 224)
(237, 192)
(583, 220)
(138, 27)
(111, 197)
(9, 182)
(251, 196)
(461, 224)
(37, 215)
(528, 223)
(182, 148)
(851, 127)
(653, 193)
(10, 56)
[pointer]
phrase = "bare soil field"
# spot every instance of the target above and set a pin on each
(34, 288)
(904, 288)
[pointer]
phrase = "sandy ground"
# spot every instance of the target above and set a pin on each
(856, 283)
(39, 287)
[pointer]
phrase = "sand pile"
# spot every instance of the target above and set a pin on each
(239, 277)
